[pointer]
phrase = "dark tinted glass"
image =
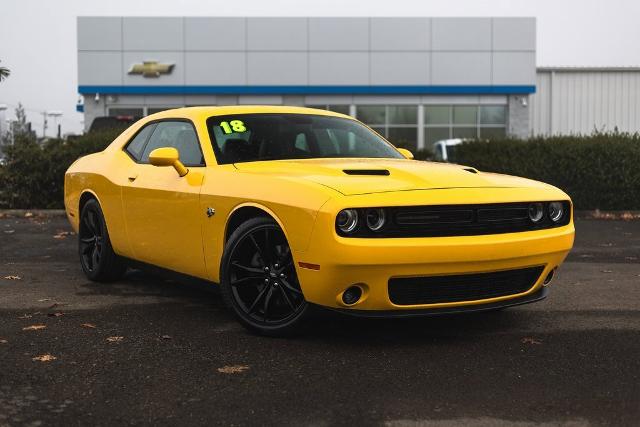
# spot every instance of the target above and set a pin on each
(179, 135)
(136, 145)
(256, 137)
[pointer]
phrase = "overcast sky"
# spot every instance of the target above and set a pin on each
(38, 38)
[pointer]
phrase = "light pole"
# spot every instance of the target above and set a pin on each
(55, 114)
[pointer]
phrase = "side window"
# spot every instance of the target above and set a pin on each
(179, 135)
(136, 145)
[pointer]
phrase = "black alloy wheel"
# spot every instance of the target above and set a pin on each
(259, 280)
(97, 258)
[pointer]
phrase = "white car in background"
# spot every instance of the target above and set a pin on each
(445, 149)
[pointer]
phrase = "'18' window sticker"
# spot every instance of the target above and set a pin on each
(233, 126)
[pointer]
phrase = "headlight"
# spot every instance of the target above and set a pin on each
(536, 212)
(347, 220)
(375, 219)
(556, 211)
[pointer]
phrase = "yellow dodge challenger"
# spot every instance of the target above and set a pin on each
(292, 208)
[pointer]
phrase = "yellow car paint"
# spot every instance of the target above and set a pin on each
(156, 216)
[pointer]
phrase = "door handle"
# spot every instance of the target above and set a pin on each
(132, 177)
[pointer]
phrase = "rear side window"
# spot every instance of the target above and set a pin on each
(136, 146)
(179, 135)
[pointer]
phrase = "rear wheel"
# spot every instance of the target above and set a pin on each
(259, 281)
(97, 258)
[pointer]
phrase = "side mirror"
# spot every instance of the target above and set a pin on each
(168, 156)
(408, 154)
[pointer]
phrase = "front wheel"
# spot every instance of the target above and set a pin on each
(259, 281)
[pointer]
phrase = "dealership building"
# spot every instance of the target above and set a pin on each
(415, 80)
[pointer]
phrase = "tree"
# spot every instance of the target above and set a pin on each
(4, 73)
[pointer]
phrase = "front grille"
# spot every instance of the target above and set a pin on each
(462, 287)
(458, 220)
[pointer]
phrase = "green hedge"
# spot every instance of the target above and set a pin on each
(599, 171)
(33, 173)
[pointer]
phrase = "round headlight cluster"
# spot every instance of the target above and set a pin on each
(373, 219)
(536, 212)
(347, 220)
(556, 211)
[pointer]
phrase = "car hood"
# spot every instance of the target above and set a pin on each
(364, 176)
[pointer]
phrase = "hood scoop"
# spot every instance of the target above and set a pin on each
(367, 172)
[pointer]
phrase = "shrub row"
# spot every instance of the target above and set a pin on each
(599, 171)
(32, 175)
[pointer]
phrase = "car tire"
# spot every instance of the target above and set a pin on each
(258, 280)
(97, 258)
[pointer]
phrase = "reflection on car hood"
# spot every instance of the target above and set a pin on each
(363, 176)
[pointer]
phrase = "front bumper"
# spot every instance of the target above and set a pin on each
(370, 263)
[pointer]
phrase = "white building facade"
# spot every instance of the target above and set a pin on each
(415, 80)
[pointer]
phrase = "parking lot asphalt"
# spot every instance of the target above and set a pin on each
(146, 350)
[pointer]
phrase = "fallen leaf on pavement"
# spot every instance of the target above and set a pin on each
(88, 325)
(44, 300)
(56, 314)
(3, 341)
(530, 341)
(115, 339)
(26, 316)
(166, 337)
(28, 214)
(9, 231)
(607, 271)
(235, 369)
(44, 358)
(33, 328)
(13, 277)
(61, 234)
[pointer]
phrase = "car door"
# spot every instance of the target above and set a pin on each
(162, 210)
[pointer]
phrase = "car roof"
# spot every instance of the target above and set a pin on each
(203, 112)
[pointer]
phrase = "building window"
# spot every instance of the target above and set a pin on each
(342, 109)
(397, 123)
(126, 112)
(464, 121)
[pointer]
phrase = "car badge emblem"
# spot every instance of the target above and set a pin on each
(151, 69)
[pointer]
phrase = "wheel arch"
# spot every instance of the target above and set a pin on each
(246, 211)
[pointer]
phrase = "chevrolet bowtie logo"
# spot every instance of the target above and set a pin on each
(151, 69)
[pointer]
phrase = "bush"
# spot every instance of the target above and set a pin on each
(599, 171)
(33, 173)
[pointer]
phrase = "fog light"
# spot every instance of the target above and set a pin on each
(556, 211)
(549, 277)
(347, 220)
(536, 212)
(351, 295)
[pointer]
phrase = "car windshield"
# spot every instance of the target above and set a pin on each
(256, 137)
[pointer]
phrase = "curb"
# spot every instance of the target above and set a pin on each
(29, 213)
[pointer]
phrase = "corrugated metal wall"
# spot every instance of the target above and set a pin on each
(578, 101)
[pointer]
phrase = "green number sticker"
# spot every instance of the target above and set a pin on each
(233, 126)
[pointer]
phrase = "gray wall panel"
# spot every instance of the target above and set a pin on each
(175, 78)
(338, 68)
(215, 68)
(273, 68)
(514, 68)
(215, 34)
(99, 68)
(400, 68)
(461, 68)
(99, 33)
(514, 33)
(465, 34)
(277, 34)
(153, 33)
(338, 34)
(406, 34)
